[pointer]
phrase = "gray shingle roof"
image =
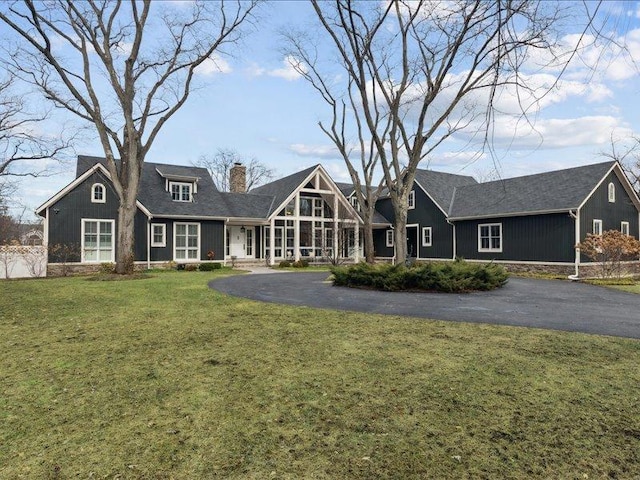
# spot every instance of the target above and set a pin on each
(440, 186)
(543, 192)
(280, 189)
(207, 202)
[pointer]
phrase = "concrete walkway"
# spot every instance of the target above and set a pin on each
(550, 304)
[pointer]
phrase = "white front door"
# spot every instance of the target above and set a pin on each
(241, 242)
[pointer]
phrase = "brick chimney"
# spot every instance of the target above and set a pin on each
(238, 178)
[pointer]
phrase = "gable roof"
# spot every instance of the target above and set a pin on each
(440, 186)
(282, 188)
(557, 191)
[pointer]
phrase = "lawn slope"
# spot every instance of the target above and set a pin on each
(164, 378)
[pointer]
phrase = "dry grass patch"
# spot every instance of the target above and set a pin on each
(165, 378)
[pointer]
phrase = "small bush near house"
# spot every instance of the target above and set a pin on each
(191, 267)
(208, 267)
(458, 276)
(302, 263)
(284, 264)
(609, 250)
(107, 268)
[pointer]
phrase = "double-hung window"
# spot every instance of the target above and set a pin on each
(490, 237)
(389, 238)
(180, 192)
(597, 226)
(97, 240)
(426, 236)
(411, 204)
(186, 241)
(624, 228)
(158, 235)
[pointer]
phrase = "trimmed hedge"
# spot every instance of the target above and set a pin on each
(207, 267)
(457, 276)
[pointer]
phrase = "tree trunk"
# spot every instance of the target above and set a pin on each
(369, 250)
(125, 255)
(400, 233)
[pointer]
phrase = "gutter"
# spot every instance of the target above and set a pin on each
(576, 218)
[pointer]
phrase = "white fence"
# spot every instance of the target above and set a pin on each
(22, 262)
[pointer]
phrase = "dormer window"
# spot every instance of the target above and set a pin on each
(98, 193)
(180, 192)
(612, 193)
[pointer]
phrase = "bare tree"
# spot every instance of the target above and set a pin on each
(301, 51)
(221, 162)
(627, 153)
(21, 144)
(123, 70)
(417, 72)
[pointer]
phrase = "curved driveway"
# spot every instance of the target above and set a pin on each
(551, 304)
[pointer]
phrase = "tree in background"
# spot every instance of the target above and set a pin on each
(627, 153)
(405, 75)
(221, 162)
(123, 69)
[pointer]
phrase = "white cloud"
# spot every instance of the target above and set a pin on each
(213, 65)
(315, 151)
(287, 71)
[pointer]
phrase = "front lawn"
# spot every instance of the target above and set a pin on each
(162, 378)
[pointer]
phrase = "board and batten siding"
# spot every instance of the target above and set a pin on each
(533, 238)
(612, 214)
(427, 214)
(65, 215)
(385, 208)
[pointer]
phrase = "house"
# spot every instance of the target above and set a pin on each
(182, 217)
(529, 220)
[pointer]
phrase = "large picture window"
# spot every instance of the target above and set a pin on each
(186, 241)
(490, 237)
(97, 240)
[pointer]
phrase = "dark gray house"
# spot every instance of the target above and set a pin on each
(182, 217)
(534, 219)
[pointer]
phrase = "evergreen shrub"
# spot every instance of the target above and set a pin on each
(457, 276)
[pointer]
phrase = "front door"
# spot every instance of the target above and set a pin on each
(241, 241)
(412, 241)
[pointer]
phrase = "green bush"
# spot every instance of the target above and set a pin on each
(458, 276)
(284, 264)
(207, 267)
(107, 268)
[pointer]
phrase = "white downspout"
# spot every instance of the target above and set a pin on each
(455, 246)
(149, 243)
(576, 218)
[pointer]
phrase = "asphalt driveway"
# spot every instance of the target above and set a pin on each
(550, 304)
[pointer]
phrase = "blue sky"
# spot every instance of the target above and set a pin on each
(255, 104)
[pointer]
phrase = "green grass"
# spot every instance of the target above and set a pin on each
(162, 378)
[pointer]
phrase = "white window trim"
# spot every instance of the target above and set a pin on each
(411, 200)
(424, 242)
(611, 192)
(597, 227)
(389, 238)
(175, 232)
(490, 249)
(163, 243)
(93, 193)
(113, 239)
(625, 226)
(181, 184)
